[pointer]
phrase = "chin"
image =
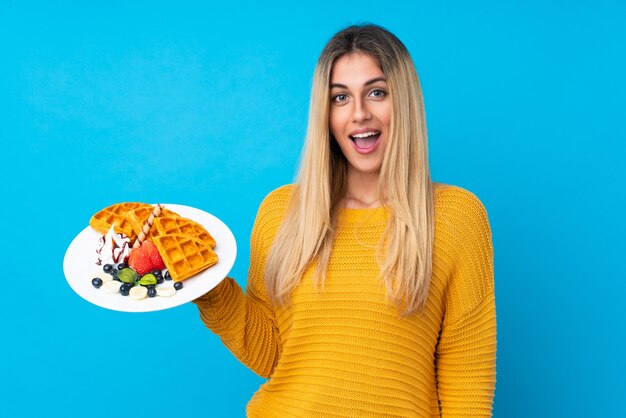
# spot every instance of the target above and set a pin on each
(366, 170)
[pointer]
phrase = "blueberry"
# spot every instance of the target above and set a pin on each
(114, 272)
(178, 285)
(167, 276)
(124, 289)
(107, 268)
(152, 292)
(121, 266)
(159, 279)
(96, 282)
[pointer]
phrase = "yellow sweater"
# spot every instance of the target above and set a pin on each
(344, 351)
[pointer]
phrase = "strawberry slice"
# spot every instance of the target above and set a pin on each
(155, 256)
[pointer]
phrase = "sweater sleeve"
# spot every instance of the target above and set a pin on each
(245, 322)
(466, 353)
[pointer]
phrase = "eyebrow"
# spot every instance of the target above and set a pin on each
(367, 83)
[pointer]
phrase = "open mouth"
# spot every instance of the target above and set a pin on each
(365, 140)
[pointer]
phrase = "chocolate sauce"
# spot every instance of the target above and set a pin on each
(102, 241)
(117, 251)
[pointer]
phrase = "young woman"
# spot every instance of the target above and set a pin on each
(371, 289)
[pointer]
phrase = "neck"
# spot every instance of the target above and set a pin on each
(363, 191)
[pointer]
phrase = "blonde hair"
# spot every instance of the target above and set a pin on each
(307, 231)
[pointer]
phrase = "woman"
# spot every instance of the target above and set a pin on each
(371, 289)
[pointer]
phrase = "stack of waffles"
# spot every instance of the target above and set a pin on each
(185, 246)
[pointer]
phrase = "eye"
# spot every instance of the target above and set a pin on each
(340, 98)
(378, 93)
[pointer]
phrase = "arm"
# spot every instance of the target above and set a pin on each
(466, 353)
(245, 323)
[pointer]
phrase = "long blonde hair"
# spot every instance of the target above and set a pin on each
(307, 231)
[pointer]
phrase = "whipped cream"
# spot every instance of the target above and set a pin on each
(112, 248)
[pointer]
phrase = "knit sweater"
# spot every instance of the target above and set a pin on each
(344, 350)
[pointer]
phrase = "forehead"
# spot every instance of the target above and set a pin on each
(355, 67)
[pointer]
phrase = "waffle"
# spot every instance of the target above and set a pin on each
(138, 217)
(184, 255)
(167, 224)
(117, 214)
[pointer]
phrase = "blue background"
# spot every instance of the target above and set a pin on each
(206, 105)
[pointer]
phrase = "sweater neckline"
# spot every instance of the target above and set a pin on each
(364, 215)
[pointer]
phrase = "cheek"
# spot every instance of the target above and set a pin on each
(334, 123)
(386, 117)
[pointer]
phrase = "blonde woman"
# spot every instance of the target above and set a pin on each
(371, 289)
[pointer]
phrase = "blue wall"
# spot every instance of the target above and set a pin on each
(207, 106)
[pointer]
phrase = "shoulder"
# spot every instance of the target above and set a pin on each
(283, 193)
(461, 223)
(456, 205)
(273, 208)
(449, 192)
(277, 199)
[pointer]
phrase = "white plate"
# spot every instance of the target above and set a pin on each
(79, 267)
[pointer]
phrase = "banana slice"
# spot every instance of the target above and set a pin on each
(166, 290)
(111, 287)
(138, 292)
(103, 276)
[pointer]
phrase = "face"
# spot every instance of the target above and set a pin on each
(360, 112)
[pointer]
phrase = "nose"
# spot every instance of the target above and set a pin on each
(361, 111)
